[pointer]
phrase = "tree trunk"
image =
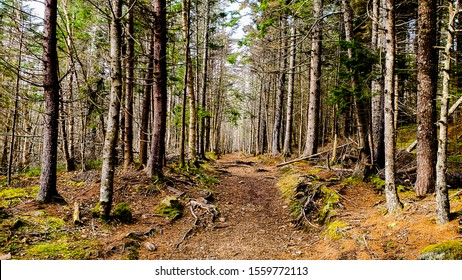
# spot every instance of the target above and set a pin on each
(112, 130)
(146, 107)
(287, 151)
(130, 59)
(48, 189)
(442, 200)
(426, 98)
(192, 157)
(378, 152)
(312, 131)
(275, 144)
(393, 203)
(205, 58)
(156, 160)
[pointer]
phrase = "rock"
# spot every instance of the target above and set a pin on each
(241, 182)
(222, 220)
(170, 207)
(149, 232)
(5, 257)
(151, 247)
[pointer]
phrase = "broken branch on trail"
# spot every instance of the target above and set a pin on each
(312, 156)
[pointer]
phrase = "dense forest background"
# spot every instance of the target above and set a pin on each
(114, 84)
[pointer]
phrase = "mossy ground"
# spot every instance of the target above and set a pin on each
(447, 250)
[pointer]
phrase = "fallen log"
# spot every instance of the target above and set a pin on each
(311, 156)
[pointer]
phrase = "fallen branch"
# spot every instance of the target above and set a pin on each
(311, 156)
(196, 222)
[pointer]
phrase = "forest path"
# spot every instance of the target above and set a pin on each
(254, 221)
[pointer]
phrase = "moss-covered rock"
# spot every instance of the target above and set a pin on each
(123, 212)
(447, 250)
(336, 229)
(170, 207)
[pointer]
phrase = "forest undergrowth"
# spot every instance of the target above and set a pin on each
(237, 207)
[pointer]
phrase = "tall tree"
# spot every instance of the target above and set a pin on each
(112, 131)
(146, 103)
(426, 97)
(312, 131)
(129, 86)
(393, 203)
(275, 144)
(205, 57)
(442, 200)
(287, 150)
(377, 92)
(48, 191)
(156, 159)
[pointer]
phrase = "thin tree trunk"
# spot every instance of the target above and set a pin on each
(275, 144)
(47, 190)
(377, 112)
(146, 104)
(16, 103)
(312, 131)
(112, 131)
(204, 79)
(393, 203)
(130, 60)
(426, 98)
(442, 200)
(192, 157)
(156, 160)
(287, 150)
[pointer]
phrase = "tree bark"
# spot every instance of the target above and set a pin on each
(205, 58)
(146, 107)
(426, 98)
(442, 200)
(275, 144)
(287, 150)
(129, 86)
(377, 112)
(156, 160)
(47, 190)
(312, 132)
(393, 203)
(112, 130)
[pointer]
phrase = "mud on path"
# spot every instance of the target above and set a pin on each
(254, 222)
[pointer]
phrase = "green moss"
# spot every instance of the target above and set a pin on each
(287, 185)
(330, 199)
(170, 207)
(447, 250)
(351, 181)
(211, 155)
(62, 249)
(336, 229)
(379, 184)
(12, 196)
(122, 212)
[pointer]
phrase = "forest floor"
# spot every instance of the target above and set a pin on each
(254, 220)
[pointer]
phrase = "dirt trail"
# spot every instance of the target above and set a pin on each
(254, 221)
